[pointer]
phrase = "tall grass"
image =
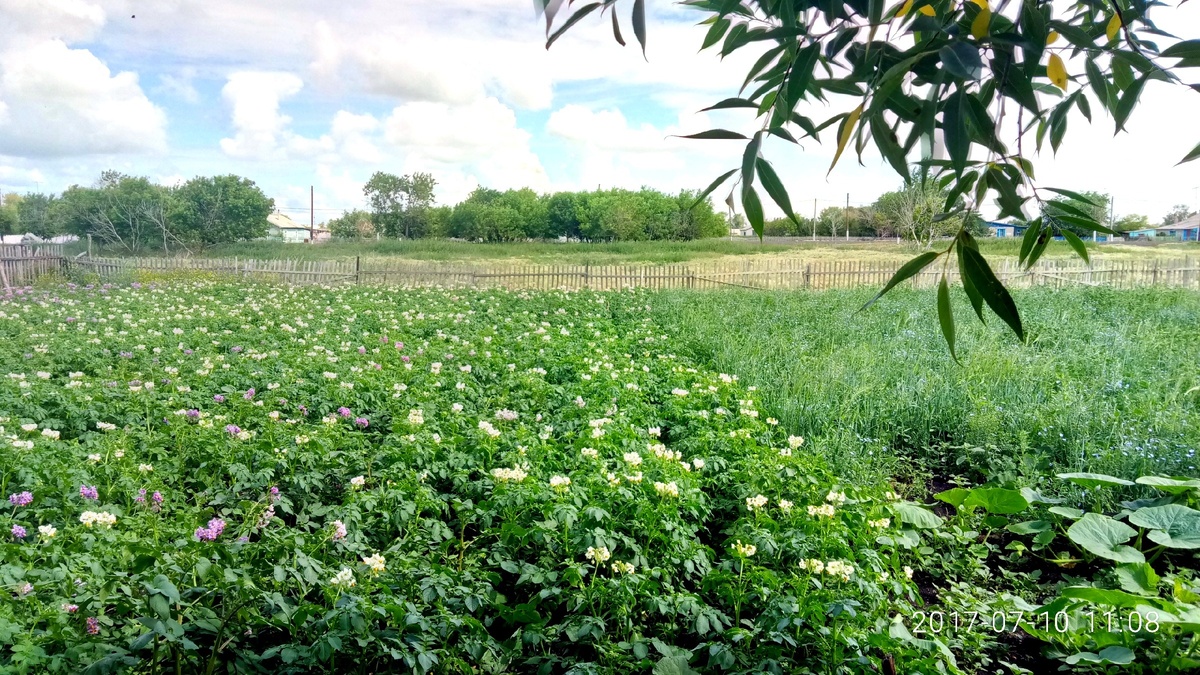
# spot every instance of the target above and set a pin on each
(1105, 383)
(619, 252)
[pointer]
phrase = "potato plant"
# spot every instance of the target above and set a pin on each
(241, 478)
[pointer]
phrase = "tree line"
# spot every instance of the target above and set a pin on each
(404, 206)
(133, 214)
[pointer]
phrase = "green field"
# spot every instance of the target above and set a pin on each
(226, 477)
(653, 252)
(1108, 382)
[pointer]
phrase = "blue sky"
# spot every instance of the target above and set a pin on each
(311, 92)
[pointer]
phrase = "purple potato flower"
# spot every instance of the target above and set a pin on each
(21, 498)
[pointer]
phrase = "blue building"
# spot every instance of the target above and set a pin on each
(1002, 230)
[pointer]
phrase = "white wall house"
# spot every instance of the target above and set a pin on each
(291, 232)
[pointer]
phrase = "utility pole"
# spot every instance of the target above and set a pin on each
(847, 216)
(814, 222)
(312, 218)
(1111, 211)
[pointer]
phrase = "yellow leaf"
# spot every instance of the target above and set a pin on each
(847, 131)
(1114, 26)
(1057, 72)
(1051, 38)
(905, 8)
(927, 10)
(979, 27)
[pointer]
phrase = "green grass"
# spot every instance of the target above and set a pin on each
(639, 252)
(1103, 384)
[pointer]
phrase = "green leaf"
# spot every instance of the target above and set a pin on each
(1066, 512)
(712, 186)
(575, 18)
(639, 23)
(1104, 537)
(801, 76)
(953, 496)
(954, 131)
(730, 103)
(1085, 223)
(962, 60)
(965, 241)
(1175, 486)
(946, 315)
(1097, 81)
(1091, 480)
(916, 515)
(774, 187)
(1188, 49)
(1173, 525)
(767, 57)
(1127, 102)
(1138, 578)
(889, 146)
(909, 269)
(753, 208)
(1195, 153)
(1103, 596)
(715, 33)
(673, 665)
(997, 500)
(1030, 527)
(1073, 195)
(617, 30)
(993, 292)
(1114, 654)
(717, 135)
(1077, 244)
(1029, 239)
(750, 159)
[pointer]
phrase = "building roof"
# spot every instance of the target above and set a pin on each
(1189, 223)
(284, 223)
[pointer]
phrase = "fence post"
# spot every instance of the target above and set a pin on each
(357, 270)
(587, 275)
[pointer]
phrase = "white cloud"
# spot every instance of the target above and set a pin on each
(64, 101)
(180, 84)
(259, 126)
(478, 142)
(69, 20)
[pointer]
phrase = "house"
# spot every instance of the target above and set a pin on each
(30, 238)
(1001, 230)
(291, 232)
(1187, 229)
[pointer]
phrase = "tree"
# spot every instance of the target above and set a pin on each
(10, 214)
(1131, 222)
(562, 214)
(36, 214)
(400, 204)
(354, 224)
(1178, 213)
(216, 210)
(926, 75)
(1061, 212)
(913, 211)
(123, 211)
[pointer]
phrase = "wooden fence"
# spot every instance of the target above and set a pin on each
(20, 264)
(747, 272)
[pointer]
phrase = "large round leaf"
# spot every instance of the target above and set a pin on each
(1173, 525)
(916, 515)
(1173, 486)
(1094, 479)
(1104, 537)
(997, 500)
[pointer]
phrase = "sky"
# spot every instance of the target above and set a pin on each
(301, 93)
